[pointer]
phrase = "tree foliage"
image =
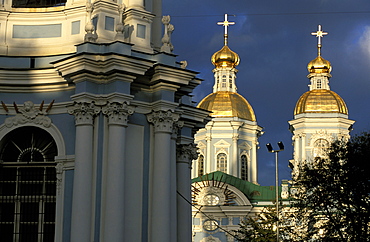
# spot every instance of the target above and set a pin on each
(262, 226)
(330, 199)
(332, 193)
(259, 228)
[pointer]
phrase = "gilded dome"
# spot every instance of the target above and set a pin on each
(320, 101)
(319, 65)
(225, 58)
(227, 104)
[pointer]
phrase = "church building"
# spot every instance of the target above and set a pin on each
(96, 118)
(225, 186)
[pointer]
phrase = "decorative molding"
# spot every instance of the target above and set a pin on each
(28, 114)
(118, 113)
(164, 121)
(321, 134)
(210, 239)
(84, 112)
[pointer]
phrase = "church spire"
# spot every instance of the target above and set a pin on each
(319, 68)
(225, 61)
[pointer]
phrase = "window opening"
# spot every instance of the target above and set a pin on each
(222, 162)
(37, 3)
(319, 84)
(244, 167)
(320, 147)
(201, 165)
(27, 185)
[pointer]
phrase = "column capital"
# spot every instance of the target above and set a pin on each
(186, 153)
(208, 138)
(84, 112)
(118, 112)
(164, 121)
(235, 137)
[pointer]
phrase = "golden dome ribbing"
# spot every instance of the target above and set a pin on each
(227, 104)
(320, 101)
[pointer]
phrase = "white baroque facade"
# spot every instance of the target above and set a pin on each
(94, 122)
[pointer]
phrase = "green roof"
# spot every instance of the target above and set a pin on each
(255, 193)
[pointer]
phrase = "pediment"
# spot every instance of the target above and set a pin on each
(222, 143)
(245, 146)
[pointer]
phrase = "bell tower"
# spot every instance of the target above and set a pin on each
(229, 141)
(320, 115)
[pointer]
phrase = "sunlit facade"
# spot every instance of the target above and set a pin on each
(96, 118)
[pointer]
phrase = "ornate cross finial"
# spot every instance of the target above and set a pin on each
(319, 34)
(226, 24)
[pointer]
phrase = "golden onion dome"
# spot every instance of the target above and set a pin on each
(227, 104)
(319, 65)
(225, 58)
(320, 101)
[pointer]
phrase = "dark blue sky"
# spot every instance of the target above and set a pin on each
(274, 41)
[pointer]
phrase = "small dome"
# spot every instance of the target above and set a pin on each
(320, 101)
(319, 65)
(225, 58)
(227, 104)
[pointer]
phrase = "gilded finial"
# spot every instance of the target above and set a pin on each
(226, 24)
(319, 34)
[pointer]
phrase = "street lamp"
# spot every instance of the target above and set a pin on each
(270, 149)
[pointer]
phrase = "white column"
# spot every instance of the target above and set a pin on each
(113, 225)
(160, 207)
(303, 150)
(235, 165)
(82, 209)
(209, 165)
(254, 167)
(185, 155)
(297, 153)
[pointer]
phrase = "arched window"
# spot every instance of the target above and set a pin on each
(27, 185)
(201, 165)
(320, 147)
(222, 162)
(244, 167)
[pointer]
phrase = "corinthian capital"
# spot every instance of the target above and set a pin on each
(118, 113)
(163, 120)
(84, 112)
(186, 153)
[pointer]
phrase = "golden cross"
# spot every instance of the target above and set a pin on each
(319, 34)
(226, 24)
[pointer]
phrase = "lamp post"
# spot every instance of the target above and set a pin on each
(270, 149)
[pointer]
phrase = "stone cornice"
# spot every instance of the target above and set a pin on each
(172, 75)
(101, 64)
(32, 80)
